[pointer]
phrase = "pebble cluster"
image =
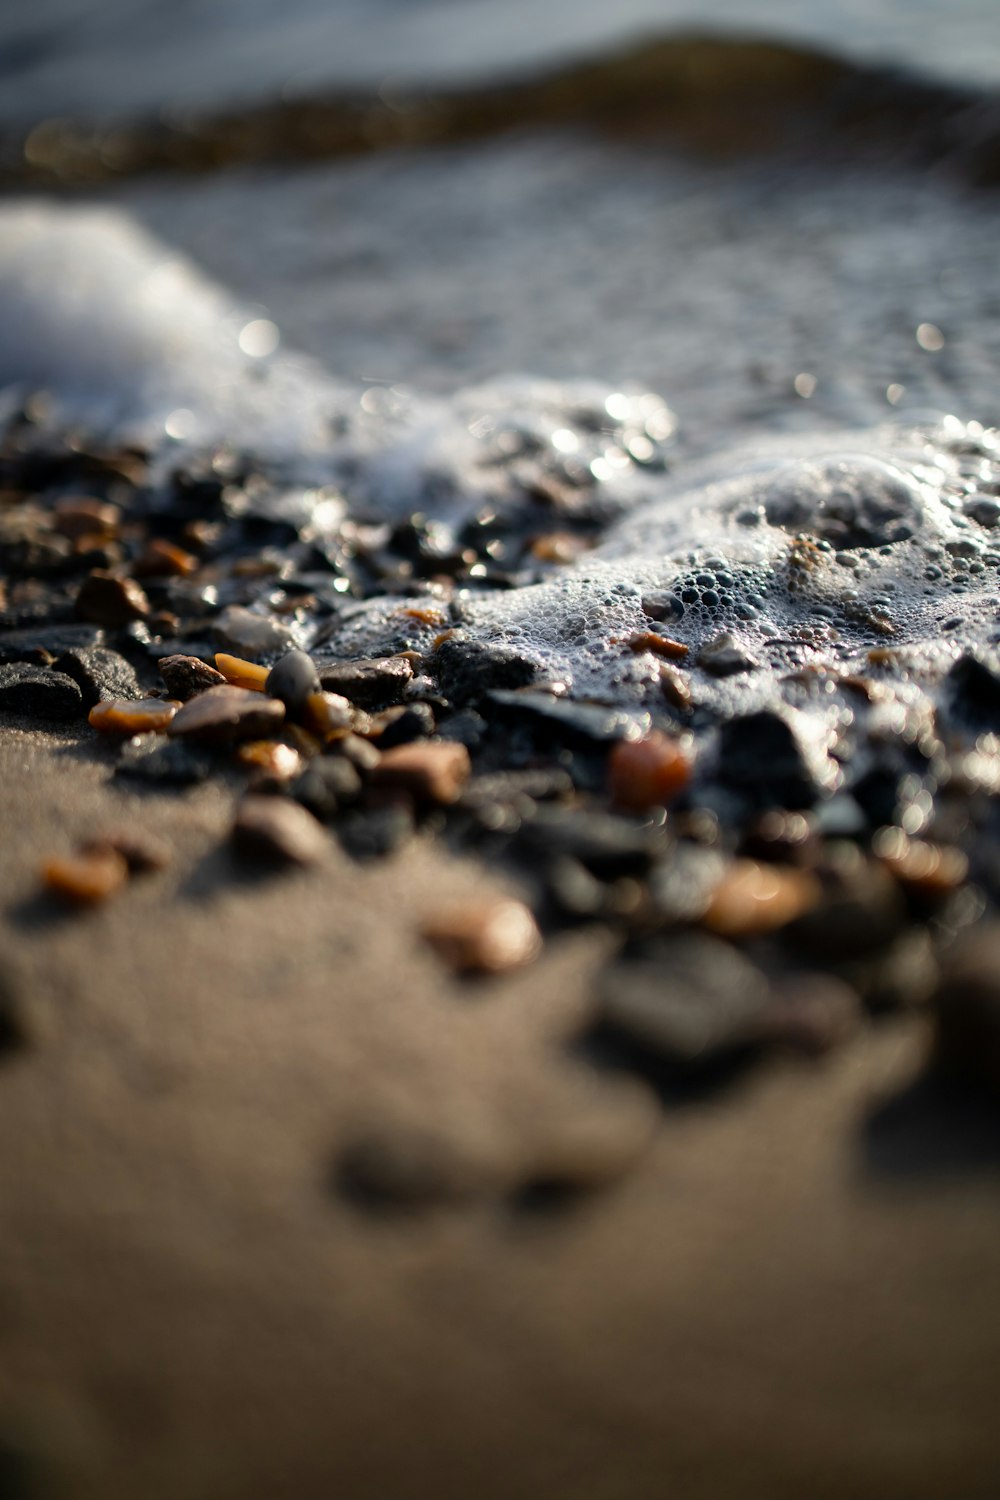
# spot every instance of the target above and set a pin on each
(749, 717)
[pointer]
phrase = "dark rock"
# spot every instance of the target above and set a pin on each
(761, 757)
(250, 633)
(187, 676)
(369, 683)
(292, 679)
(39, 693)
(466, 670)
(723, 656)
(465, 728)
(376, 832)
(607, 845)
(161, 762)
(691, 999)
(278, 830)
(414, 723)
(99, 673)
(107, 600)
(222, 715)
(327, 785)
(41, 644)
(972, 690)
(572, 722)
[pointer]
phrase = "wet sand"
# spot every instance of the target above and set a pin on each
(793, 1290)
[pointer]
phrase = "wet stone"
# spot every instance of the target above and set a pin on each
(279, 831)
(576, 723)
(293, 679)
(606, 845)
(369, 683)
(973, 689)
(125, 717)
(39, 693)
(415, 723)
(43, 643)
(100, 674)
(167, 763)
(484, 937)
(327, 785)
(431, 771)
(723, 656)
(186, 676)
(761, 757)
(647, 773)
(689, 999)
(222, 715)
(247, 631)
(377, 832)
(107, 600)
(467, 669)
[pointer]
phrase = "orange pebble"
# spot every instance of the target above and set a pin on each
(120, 716)
(485, 937)
(164, 559)
(660, 645)
(86, 878)
(328, 713)
(648, 772)
(752, 898)
(278, 760)
(240, 673)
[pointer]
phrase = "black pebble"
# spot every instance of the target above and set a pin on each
(292, 679)
(760, 756)
(99, 674)
(375, 683)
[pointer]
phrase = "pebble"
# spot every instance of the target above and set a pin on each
(274, 759)
(278, 830)
(108, 600)
(39, 693)
(760, 755)
(660, 645)
(328, 714)
(41, 644)
(246, 630)
(123, 717)
(687, 998)
(586, 723)
(414, 723)
(327, 785)
(647, 773)
(966, 1007)
(484, 937)
(432, 771)
(99, 673)
(369, 683)
(753, 898)
(295, 681)
(222, 715)
(240, 673)
(186, 676)
(162, 559)
(168, 763)
(723, 656)
(88, 878)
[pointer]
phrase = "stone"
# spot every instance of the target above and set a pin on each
(369, 683)
(293, 679)
(278, 830)
(108, 600)
(222, 715)
(432, 771)
(186, 676)
(484, 937)
(100, 673)
(39, 693)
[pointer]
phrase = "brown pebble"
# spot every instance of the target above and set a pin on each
(328, 713)
(276, 829)
(107, 600)
(433, 771)
(660, 645)
(161, 559)
(85, 879)
(186, 676)
(124, 717)
(240, 673)
(484, 937)
(84, 516)
(223, 715)
(752, 898)
(648, 772)
(676, 690)
(277, 760)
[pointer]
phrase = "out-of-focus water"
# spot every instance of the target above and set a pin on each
(114, 58)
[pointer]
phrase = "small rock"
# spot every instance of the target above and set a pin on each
(752, 899)
(123, 717)
(327, 785)
(107, 600)
(374, 683)
(41, 644)
(293, 679)
(760, 756)
(648, 772)
(377, 832)
(433, 772)
(272, 759)
(239, 673)
(414, 723)
(222, 715)
(99, 673)
(168, 763)
(275, 829)
(484, 937)
(88, 878)
(466, 670)
(328, 714)
(39, 693)
(723, 656)
(246, 630)
(688, 999)
(186, 676)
